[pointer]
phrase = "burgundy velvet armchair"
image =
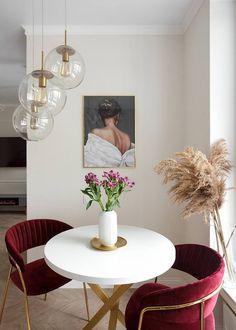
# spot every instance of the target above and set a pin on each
(34, 278)
(186, 307)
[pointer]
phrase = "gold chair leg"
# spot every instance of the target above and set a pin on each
(26, 299)
(86, 300)
(202, 325)
(27, 312)
(5, 292)
(45, 297)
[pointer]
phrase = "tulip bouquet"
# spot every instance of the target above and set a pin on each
(112, 183)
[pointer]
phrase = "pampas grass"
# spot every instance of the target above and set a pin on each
(200, 183)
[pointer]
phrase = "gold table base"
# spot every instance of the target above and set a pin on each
(109, 304)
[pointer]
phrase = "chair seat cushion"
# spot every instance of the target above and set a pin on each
(39, 278)
(151, 323)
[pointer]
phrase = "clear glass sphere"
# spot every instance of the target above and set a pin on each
(67, 64)
(43, 90)
(31, 128)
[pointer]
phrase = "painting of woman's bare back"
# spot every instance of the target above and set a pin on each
(109, 131)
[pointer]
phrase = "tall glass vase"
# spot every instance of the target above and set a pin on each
(230, 272)
(226, 247)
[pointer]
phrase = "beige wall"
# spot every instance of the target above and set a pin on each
(149, 67)
(197, 102)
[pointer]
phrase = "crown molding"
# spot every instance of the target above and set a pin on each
(123, 29)
(105, 30)
(191, 13)
(193, 10)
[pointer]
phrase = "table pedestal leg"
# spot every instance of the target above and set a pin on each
(109, 303)
(104, 297)
(114, 313)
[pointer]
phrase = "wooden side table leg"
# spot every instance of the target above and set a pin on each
(108, 305)
(104, 297)
(114, 313)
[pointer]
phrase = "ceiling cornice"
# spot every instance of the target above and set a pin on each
(122, 29)
(193, 10)
(106, 29)
(191, 13)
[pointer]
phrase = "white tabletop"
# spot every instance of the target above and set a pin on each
(146, 255)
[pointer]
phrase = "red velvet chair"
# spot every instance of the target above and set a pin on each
(34, 278)
(189, 307)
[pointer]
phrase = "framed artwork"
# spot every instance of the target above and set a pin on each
(109, 131)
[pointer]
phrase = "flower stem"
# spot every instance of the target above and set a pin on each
(101, 205)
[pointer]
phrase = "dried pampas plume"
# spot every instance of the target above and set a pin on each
(199, 182)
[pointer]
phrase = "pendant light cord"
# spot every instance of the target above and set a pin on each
(33, 33)
(65, 15)
(65, 4)
(42, 3)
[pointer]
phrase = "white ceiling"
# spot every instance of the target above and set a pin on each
(15, 13)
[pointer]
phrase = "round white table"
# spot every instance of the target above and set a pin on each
(146, 255)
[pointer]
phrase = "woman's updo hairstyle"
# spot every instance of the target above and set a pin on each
(109, 108)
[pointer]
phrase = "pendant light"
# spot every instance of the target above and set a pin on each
(66, 63)
(31, 128)
(41, 91)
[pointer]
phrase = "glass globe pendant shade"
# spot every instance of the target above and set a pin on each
(29, 127)
(67, 65)
(43, 91)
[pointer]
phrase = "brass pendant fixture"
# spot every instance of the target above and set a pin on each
(41, 92)
(66, 63)
(41, 98)
(29, 127)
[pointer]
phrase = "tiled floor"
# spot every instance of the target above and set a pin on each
(64, 308)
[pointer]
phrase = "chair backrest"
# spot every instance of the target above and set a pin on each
(201, 262)
(31, 233)
(197, 260)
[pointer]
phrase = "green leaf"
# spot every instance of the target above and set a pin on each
(88, 194)
(89, 204)
(96, 188)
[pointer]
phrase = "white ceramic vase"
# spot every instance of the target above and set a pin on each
(107, 228)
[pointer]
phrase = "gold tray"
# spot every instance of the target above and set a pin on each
(96, 244)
